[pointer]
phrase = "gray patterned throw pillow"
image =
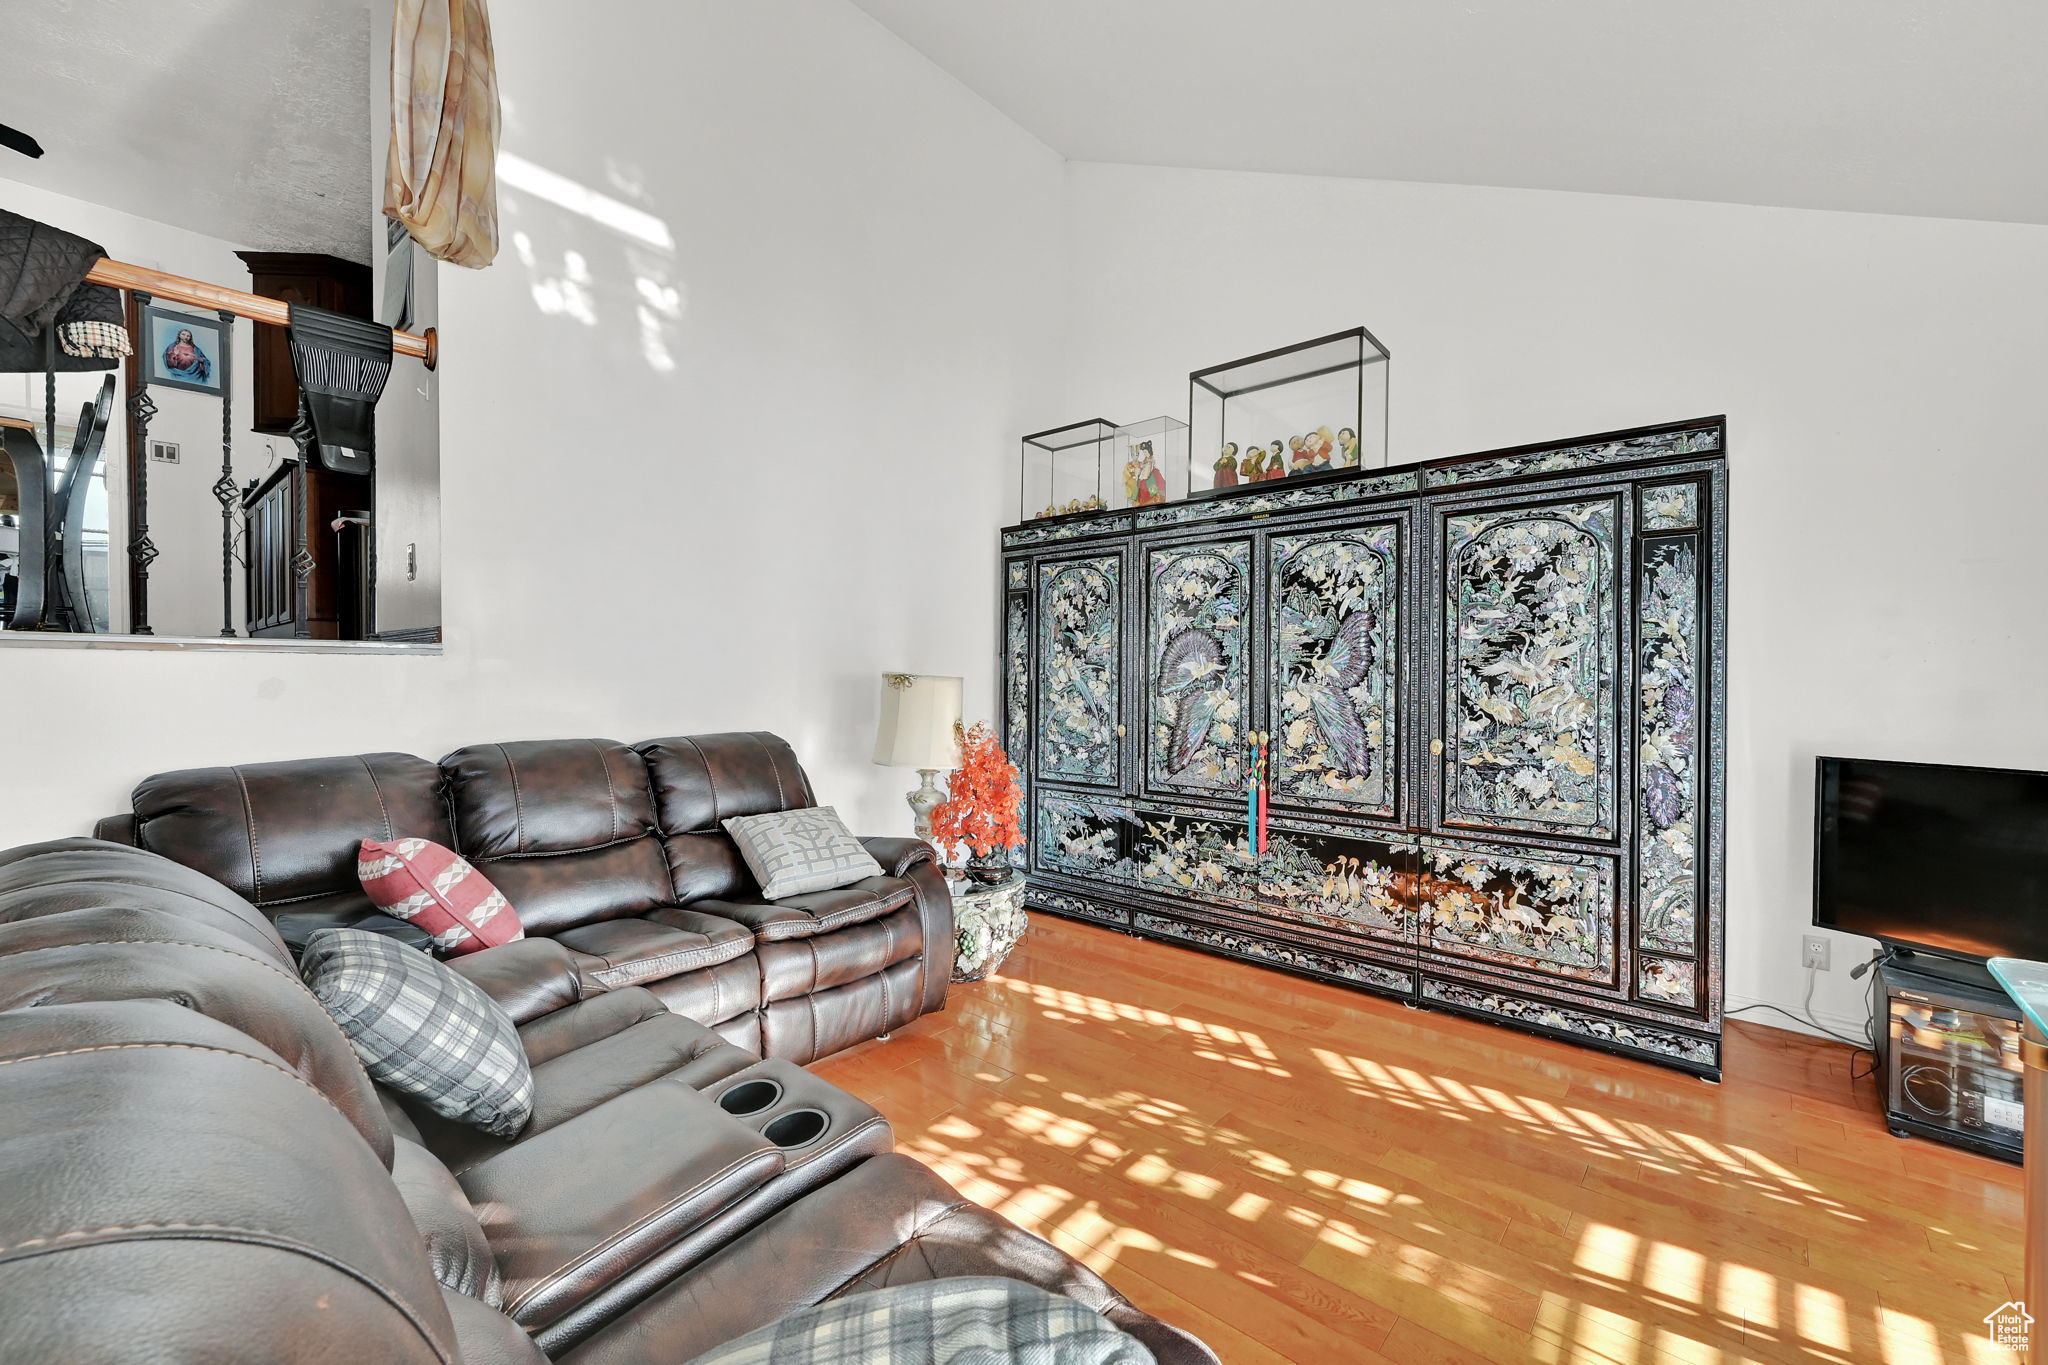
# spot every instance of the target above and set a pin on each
(792, 851)
(422, 1029)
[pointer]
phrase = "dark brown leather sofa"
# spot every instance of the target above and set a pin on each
(612, 852)
(193, 1167)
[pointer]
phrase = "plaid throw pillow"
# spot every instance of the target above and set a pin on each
(421, 1029)
(793, 851)
(422, 883)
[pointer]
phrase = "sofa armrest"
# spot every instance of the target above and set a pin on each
(934, 904)
(528, 976)
(898, 855)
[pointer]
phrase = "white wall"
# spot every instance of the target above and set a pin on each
(184, 516)
(733, 509)
(1881, 378)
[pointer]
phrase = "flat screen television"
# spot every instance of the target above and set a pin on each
(1933, 858)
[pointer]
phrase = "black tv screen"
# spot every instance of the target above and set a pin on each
(1924, 855)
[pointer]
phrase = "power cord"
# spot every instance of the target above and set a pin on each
(1804, 1014)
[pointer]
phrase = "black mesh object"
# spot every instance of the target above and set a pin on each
(342, 364)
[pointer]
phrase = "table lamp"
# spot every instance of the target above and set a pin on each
(920, 729)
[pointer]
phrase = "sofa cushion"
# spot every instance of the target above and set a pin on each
(633, 951)
(583, 1055)
(281, 832)
(814, 912)
(447, 1223)
(799, 966)
(565, 828)
(40, 879)
(794, 851)
(702, 780)
(425, 883)
(422, 1029)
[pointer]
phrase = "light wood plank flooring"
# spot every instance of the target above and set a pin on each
(1300, 1173)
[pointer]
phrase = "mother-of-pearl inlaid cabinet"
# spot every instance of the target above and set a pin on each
(1492, 687)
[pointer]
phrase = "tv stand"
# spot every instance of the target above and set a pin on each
(1955, 971)
(1949, 1054)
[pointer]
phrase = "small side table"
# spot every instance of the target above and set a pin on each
(987, 922)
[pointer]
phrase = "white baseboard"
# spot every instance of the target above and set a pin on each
(1849, 1026)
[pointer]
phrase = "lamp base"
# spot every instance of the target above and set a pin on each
(926, 799)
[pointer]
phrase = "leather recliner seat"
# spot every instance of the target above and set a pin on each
(197, 1170)
(616, 853)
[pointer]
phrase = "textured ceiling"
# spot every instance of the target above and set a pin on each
(247, 120)
(1932, 107)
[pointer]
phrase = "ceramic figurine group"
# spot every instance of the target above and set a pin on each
(1144, 485)
(1311, 454)
(1091, 503)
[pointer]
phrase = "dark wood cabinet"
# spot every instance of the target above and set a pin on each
(1490, 694)
(306, 579)
(295, 277)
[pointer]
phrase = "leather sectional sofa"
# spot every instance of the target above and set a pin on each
(196, 1167)
(613, 852)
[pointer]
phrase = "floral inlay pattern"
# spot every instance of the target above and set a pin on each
(1621, 1032)
(1579, 457)
(1017, 678)
(1020, 574)
(1196, 640)
(1668, 697)
(1040, 535)
(1366, 972)
(1673, 507)
(1334, 604)
(1530, 678)
(1520, 906)
(1666, 980)
(1078, 692)
(1350, 885)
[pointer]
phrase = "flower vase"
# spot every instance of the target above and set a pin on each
(990, 868)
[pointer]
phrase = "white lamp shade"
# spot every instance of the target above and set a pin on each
(920, 722)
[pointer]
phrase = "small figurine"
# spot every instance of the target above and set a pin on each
(1320, 444)
(1276, 462)
(1144, 485)
(1301, 456)
(1254, 467)
(1348, 456)
(1226, 467)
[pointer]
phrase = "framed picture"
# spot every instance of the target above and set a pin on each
(185, 350)
(164, 452)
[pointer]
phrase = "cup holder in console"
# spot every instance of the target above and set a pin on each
(797, 1128)
(750, 1097)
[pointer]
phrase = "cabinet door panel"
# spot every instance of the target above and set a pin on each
(1531, 642)
(1668, 718)
(1017, 676)
(1080, 694)
(1528, 909)
(1197, 686)
(1334, 639)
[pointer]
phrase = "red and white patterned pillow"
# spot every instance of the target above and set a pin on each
(419, 881)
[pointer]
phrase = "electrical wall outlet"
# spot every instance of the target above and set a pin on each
(1816, 951)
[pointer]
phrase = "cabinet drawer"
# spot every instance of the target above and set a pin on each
(1528, 909)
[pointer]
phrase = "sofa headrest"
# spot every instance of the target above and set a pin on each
(74, 874)
(701, 780)
(121, 953)
(174, 1190)
(547, 796)
(276, 832)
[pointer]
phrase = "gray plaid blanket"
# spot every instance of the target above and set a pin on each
(979, 1320)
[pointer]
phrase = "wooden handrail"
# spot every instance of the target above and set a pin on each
(200, 294)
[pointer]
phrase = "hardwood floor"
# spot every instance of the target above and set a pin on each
(1300, 1173)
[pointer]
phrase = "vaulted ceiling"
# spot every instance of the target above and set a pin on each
(1931, 107)
(247, 120)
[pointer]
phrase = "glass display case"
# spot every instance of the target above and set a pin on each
(1151, 460)
(1952, 1069)
(1314, 408)
(1066, 470)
